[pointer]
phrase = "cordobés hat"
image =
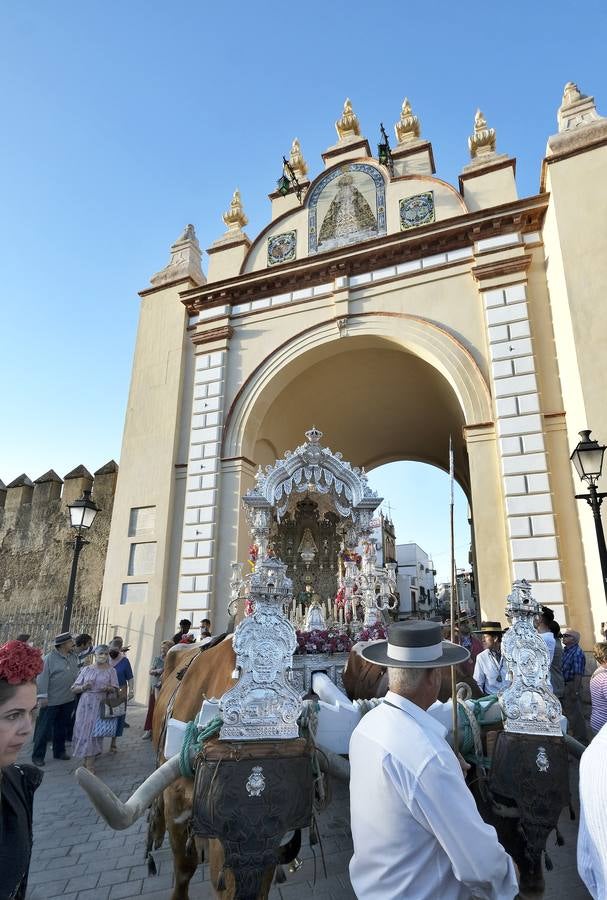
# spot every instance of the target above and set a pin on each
(63, 638)
(489, 628)
(416, 644)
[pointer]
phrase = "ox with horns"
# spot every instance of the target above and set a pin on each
(246, 794)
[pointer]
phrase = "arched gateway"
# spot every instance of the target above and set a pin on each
(393, 311)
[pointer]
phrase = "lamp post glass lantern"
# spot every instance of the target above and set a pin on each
(82, 516)
(588, 461)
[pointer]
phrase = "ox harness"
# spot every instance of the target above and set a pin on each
(247, 805)
(249, 795)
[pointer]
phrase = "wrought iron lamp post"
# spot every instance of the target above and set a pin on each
(82, 516)
(588, 461)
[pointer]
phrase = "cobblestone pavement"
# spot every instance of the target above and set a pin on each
(77, 856)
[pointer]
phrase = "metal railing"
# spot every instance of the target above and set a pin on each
(43, 624)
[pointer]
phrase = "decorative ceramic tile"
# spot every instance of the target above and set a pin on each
(418, 210)
(346, 206)
(282, 248)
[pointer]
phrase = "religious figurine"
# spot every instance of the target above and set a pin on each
(304, 598)
(315, 616)
(307, 548)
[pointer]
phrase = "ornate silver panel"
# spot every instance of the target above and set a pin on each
(263, 704)
(528, 704)
(312, 469)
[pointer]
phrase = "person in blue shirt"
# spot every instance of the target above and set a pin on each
(574, 666)
(124, 672)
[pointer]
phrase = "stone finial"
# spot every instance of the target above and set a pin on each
(576, 109)
(348, 125)
(184, 262)
(235, 218)
(407, 129)
(571, 93)
(482, 142)
(298, 163)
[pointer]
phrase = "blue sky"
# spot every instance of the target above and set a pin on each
(122, 122)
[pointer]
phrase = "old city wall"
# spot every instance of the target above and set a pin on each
(36, 550)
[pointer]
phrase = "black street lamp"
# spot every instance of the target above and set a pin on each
(588, 461)
(82, 516)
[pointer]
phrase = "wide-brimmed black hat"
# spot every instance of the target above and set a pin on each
(416, 644)
(489, 628)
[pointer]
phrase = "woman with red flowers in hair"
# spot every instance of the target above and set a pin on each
(19, 665)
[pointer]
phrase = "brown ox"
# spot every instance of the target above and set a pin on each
(189, 677)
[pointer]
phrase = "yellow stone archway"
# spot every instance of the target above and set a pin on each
(381, 387)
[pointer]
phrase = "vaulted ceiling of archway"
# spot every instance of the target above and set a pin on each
(374, 402)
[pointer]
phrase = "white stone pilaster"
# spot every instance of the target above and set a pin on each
(196, 572)
(524, 465)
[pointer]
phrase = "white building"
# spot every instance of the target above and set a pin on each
(415, 579)
(465, 594)
(385, 540)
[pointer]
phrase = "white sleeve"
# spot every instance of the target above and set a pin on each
(479, 675)
(443, 804)
(585, 856)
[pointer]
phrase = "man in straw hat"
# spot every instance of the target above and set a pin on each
(55, 699)
(490, 670)
(415, 826)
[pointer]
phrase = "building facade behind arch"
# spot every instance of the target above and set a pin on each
(483, 296)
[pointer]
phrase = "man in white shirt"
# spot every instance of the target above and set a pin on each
(490, 670)
(545, 632)
(592, 836)
(416, 830)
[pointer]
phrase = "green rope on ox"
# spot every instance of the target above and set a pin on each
(194, 739)
(466, 735)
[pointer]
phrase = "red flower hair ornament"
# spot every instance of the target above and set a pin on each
(19, 663)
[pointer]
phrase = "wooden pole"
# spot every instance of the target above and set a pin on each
(453, 606)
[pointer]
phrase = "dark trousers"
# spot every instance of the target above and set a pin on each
(55, 721)
(572, 708)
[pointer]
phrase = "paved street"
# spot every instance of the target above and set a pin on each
(77, 857)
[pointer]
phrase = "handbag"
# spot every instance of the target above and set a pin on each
(117, 699)
(105, 728)
(111, 712)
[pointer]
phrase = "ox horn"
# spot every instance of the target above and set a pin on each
(117, 814)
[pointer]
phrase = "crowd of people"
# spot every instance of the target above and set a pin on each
(75, 695)
(406, 781)
(567, 661)
(404, 832)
